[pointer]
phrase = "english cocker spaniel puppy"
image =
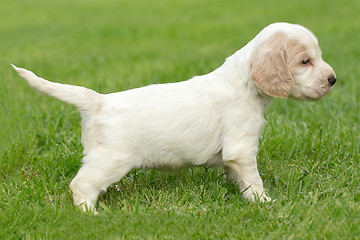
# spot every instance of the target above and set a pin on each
(210, 120)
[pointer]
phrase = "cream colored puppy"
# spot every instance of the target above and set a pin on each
(210, 120)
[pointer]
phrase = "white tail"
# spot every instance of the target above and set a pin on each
(83, 98)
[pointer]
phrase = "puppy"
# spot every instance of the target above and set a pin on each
(211, 120)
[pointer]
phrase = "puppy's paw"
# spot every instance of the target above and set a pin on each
(265, 198)
(257, 197)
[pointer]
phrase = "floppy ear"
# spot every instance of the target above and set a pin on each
(269, 67)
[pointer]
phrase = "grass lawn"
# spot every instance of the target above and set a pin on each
(309, 152)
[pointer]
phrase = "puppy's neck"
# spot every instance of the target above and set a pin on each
(236, 71)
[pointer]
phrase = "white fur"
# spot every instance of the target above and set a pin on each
(210, 120)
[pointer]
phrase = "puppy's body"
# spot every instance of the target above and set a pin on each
(210, 120)
(179, 124)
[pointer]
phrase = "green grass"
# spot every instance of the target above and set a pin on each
(309, 152)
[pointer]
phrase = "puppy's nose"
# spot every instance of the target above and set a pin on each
(332, 80)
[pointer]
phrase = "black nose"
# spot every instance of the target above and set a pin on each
(332, 80)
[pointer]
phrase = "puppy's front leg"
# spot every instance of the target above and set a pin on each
(243, 170)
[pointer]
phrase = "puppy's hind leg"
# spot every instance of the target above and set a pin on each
(98, 172)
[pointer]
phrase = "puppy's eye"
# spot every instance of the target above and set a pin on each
(306, 61)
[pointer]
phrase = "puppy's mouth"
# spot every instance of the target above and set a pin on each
(318, 93)
(312, 94)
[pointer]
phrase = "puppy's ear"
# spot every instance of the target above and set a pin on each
(269, 67)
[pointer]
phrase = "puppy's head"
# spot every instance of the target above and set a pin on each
(287, 62)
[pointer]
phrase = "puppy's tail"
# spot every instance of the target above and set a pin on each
(83, 98)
